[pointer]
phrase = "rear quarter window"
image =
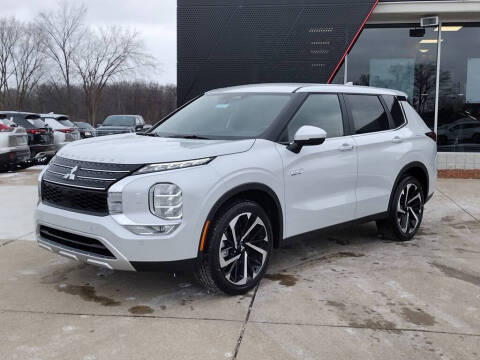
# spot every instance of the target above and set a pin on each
(393, 105)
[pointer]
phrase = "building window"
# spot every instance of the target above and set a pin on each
(459, 96)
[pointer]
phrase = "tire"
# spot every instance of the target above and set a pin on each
(222, 267)
(406, 211)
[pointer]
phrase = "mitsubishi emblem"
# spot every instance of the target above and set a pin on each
(71, 174)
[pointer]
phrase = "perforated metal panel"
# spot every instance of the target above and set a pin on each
(237, 42)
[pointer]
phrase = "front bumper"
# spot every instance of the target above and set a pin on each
(130, 251)
(139, 252)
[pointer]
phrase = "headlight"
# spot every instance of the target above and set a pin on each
(166, 201)
(172, 165)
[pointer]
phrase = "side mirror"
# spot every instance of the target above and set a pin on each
(307, 136)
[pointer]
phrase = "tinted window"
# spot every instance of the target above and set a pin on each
(320, 110)
(368, 113)
(20, 121)
(65, 122)
(225, 115)
(393, 105)
(36, 122)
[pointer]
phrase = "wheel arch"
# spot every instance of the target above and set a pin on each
(416, 169)
(261, 194)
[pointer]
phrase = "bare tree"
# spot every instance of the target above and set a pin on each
(9, 34)
(108, 54)
(28, 62)
(63, 32)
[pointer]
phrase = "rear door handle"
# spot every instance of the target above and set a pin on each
(397, 140)
(345, 147)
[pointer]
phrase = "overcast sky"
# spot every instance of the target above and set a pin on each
(155, 20)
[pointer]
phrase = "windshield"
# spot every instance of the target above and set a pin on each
(119, 120)
(225, 115)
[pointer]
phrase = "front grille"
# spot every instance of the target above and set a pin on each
(85, 174)
(75, 242)
(87, 201)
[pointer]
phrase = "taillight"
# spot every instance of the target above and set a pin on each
(432, 135)
(5, 128)
(35, 131)
(66, 130)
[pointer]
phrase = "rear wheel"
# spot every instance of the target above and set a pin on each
(406, 211)
(238, 250)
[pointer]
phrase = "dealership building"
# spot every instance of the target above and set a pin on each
(428, 49)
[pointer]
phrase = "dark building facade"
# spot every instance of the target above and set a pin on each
(223, 43)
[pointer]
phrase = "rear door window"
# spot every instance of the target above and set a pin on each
(368, 113)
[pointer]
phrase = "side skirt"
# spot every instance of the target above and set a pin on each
(318, 232)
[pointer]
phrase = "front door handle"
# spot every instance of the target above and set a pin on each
(397, 140)
(346, 147)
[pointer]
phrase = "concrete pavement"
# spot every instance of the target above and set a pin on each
(346, 295)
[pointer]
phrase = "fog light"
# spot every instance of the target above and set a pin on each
(115, 203)
(166, 201)
(151, 229)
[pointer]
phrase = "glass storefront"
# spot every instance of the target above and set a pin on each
(397, 57)
(459, 96)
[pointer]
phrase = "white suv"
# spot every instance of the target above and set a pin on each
(235, 173)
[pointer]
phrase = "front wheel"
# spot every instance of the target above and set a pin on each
(238, 250)
(406, 211)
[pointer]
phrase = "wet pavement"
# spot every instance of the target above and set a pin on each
(348, 294)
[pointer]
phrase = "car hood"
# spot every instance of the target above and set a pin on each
(137, 149)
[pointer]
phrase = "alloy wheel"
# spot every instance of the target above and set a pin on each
(409, 208)
(243, 248)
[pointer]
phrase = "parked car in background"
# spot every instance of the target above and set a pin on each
(222, 181)
(14, 150)
(465, 130)
(119, 124)
(64, 131)
(40, 135)
(86, 130)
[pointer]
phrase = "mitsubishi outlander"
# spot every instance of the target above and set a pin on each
(225, 179)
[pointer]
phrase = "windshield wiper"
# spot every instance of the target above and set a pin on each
(195, 137)
(147, 134)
